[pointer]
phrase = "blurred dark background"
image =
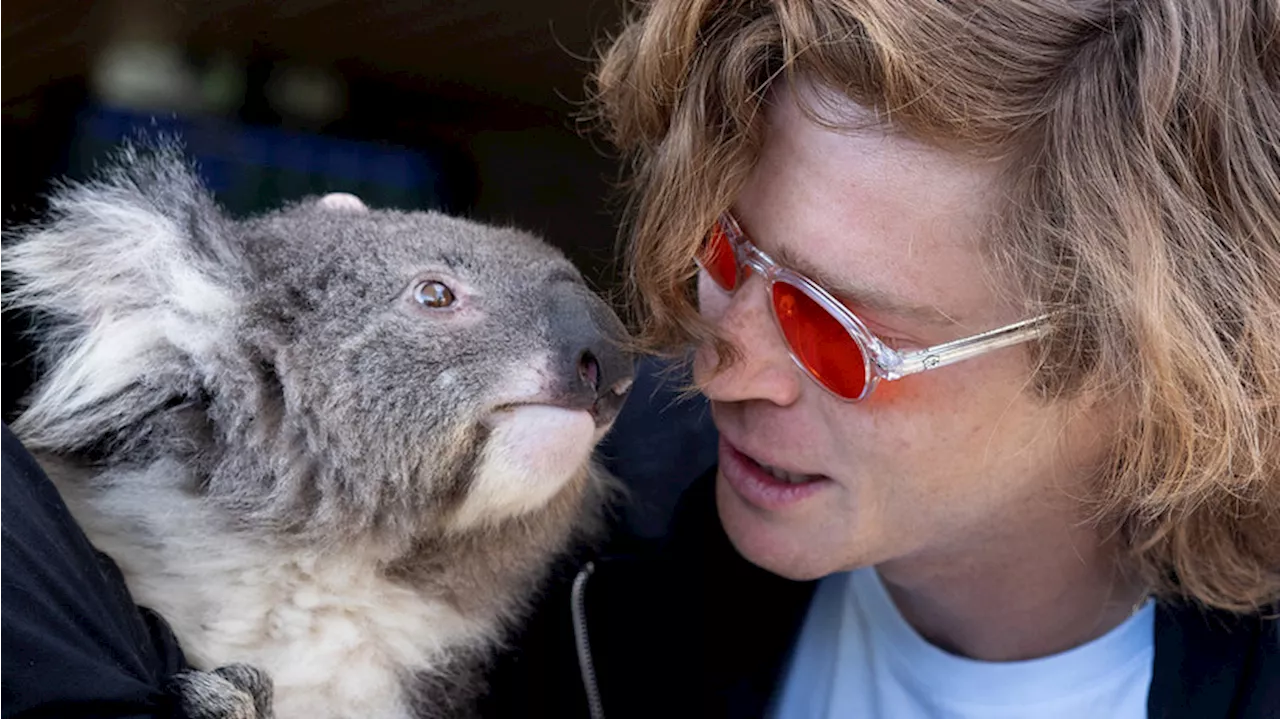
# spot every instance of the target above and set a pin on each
(469, 106)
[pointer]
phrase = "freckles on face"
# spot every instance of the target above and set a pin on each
(926, 461)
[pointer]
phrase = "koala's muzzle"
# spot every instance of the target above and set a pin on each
(593, 371)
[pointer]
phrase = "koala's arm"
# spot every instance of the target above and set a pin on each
(236, 691)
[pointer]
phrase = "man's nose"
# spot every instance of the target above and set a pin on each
(763, 368)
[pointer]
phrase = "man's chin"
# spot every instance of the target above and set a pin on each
(775, 544)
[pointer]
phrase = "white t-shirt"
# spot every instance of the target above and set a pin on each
(857, 657)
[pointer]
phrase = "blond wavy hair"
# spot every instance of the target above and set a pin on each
(1143, 146)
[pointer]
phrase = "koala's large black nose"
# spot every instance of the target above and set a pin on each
(593, 371)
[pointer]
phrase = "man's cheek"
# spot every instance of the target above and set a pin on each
(704, 362)
(907, 395)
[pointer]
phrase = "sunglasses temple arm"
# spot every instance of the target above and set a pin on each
(908, 363)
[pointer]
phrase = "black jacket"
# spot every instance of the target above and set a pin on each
(74, 643)
(676, 623)
(691, 629)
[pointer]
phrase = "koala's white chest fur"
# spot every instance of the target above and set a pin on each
(337, 637)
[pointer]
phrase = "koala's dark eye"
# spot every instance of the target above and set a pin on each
(434, 294)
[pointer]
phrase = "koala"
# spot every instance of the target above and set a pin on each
(335, 447)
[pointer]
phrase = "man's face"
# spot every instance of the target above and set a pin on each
(950, 462)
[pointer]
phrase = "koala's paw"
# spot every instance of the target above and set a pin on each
(236, 691)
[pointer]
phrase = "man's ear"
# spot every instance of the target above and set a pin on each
(140, 277)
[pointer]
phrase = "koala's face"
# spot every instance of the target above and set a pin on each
(323, 371)
(440, 362)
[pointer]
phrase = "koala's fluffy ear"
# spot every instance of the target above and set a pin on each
(138, 275)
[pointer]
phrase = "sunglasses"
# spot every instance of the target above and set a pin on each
(826, 339)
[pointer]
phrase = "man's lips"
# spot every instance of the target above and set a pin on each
(763, 485)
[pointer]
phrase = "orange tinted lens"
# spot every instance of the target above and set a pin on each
(718, 260)
(819, 341)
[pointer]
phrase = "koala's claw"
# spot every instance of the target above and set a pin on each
(235, 691)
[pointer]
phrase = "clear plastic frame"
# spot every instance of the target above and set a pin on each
(853, 373)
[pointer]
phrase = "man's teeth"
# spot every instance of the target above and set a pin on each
(784, 476)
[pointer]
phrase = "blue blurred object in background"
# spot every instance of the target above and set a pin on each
(251, 168)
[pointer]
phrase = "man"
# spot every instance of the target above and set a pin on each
(986, 316)
(986, 299)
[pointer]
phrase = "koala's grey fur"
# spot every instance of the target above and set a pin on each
(299, 465)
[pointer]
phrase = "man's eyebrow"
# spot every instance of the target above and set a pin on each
(869, 298)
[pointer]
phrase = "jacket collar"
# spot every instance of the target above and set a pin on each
(694, 619)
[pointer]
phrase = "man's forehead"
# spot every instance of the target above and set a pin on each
(883, 221)
(817, 121)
